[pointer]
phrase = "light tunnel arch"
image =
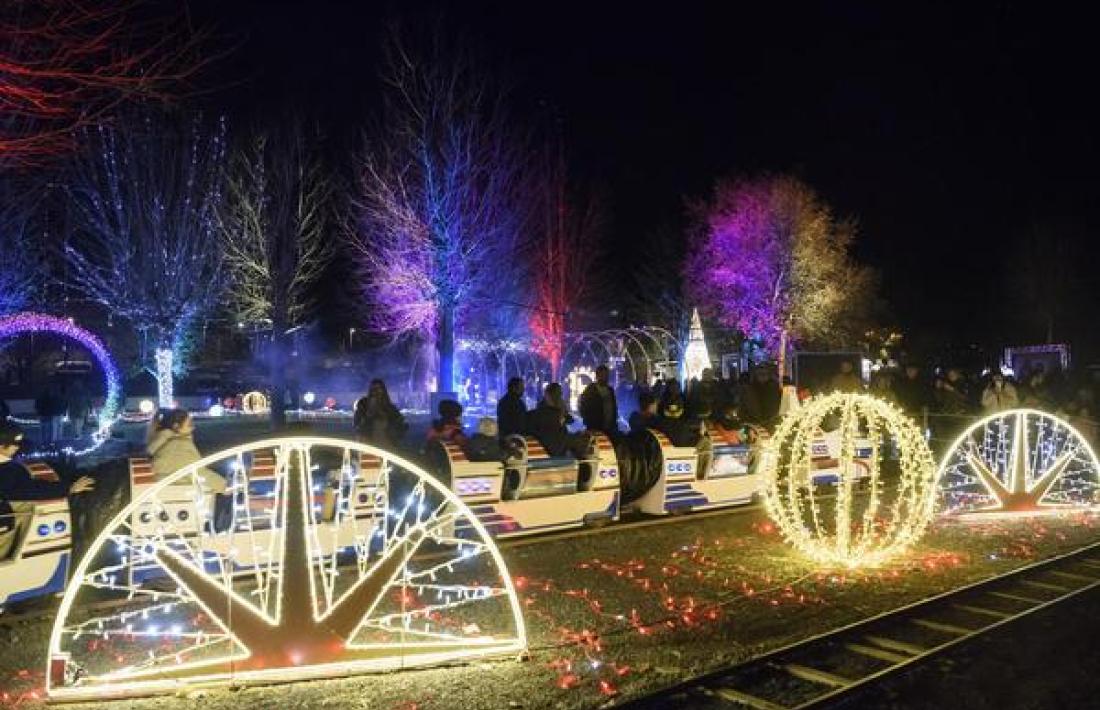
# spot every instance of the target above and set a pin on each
(12, 326)
(1020, 461)
(232, 595)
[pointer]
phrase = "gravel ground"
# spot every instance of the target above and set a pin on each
(615, 614)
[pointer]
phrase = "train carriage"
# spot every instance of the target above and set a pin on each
(37, 561)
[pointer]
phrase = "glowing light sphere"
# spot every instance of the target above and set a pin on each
(255, 403)
(842, 525)
(146, 406)
(1019, 462)
(322, 569)
(22, 323)
(309, 398)
(216, 410)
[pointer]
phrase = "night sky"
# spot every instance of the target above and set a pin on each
(953, 135)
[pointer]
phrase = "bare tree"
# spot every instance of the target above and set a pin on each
(66, 64)
(147, 248)
(21, 272)
(440, 198)
(563, 256)
(276, 246)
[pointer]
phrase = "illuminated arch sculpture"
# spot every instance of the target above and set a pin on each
(22, 323)
(1020, 461)
(354, 568)
(851, 528)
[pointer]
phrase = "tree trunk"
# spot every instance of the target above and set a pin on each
(782, 357)
(165, 395)
(277, 365)
(445, 343)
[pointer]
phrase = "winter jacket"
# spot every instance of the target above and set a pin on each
(171, 452)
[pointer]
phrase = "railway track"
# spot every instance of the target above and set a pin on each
(831, 667)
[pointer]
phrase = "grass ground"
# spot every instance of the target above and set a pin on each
(618, 613)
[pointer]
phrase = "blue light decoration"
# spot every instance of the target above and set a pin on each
(22, 323)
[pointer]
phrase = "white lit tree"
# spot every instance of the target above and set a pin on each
(146, 247)
(20, 268)
(276, 245)
(440, 198)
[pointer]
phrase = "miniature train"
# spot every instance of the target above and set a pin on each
(530, 493)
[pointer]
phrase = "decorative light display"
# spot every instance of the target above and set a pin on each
(165, 393)
(255, 403)
(21, 323)
(579, 378)
(309, 398)
(146, 406)
(849, 528)
(696, 357)
(1020, 461)
(322, 569)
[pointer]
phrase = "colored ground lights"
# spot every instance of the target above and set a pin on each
(322, 569)
(839, 525)
(1020, 461)
(22, 323)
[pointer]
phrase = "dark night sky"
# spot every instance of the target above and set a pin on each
(949, 133)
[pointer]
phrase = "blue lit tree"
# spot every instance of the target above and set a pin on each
(441, 200)
(146, 195)
(20, 268)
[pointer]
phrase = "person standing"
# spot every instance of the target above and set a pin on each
(512, 410)
(50, 407)
(598, 405)
(912, 392)
(999, 395)
(79, 405)
(377, 420)
(845, 379)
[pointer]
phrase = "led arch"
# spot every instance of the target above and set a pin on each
(336, 558)
(1019, 462)
(845, 526)
(22, 323)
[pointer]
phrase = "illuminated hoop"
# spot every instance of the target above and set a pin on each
(255, 402)
(849, 529)
(294, 588)
(1019, 462)
(22, 323)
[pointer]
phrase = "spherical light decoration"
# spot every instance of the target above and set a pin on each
(1019, 462)
(878, 507)
(20, 323)
(255, 403)
(333, 558)
(146, 406)
(216, 410)
(309, 398)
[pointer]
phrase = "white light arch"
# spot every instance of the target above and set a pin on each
(1020, 462)
(301, 585)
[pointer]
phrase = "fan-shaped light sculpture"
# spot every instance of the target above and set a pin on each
(877, 507)
(1019, 462)
(17, 324)
(324, 558)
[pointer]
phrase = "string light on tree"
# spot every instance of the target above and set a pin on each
(1021, 461)
(849, 529)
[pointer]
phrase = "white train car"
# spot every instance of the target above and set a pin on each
(246, 517)
(40, 556)
(825, 458)
(535, 492)
(690, 480)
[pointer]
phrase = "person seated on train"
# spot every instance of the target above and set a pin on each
(18, 489)
(547, 423)
(678, 428)
(598, 406)
(448, 428)
(646, 416)
(485, 444)
(377, 419)
(512, 410)
(728, 426)
(171, 446)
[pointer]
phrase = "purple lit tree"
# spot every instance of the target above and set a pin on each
(769, 258)
(276, 245)
(147, 195)
(440, 202)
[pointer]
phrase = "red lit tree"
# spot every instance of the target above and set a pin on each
(563, 258)
(67, 63)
